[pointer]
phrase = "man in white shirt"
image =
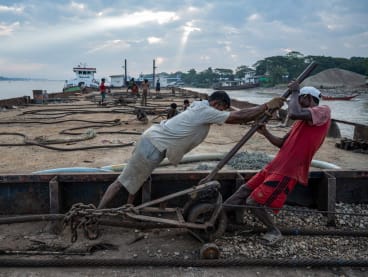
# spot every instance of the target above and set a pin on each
(175, 137)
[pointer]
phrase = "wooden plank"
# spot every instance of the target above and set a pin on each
(54, 194)
(331, 199)
(55, 205)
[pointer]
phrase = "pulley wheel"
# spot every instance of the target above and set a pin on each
(202, 213)
(209, 251)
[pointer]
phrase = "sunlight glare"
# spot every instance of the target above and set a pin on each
(188, 28)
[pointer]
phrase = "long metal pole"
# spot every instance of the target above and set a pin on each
(254, 128)
(154, 73)
(125, 73)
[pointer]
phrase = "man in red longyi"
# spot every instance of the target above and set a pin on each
(271, 186)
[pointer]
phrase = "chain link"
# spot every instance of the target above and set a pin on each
(87, 217)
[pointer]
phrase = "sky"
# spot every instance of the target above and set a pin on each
(46, 39)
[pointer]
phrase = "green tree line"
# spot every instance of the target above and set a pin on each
(272, 70)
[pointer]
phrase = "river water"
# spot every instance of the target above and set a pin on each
(12, 89)
(355, 110)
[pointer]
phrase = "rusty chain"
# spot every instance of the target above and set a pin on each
(87, 217)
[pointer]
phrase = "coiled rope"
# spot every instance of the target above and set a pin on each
(27, 142)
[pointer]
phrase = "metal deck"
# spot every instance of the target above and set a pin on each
(56, 193)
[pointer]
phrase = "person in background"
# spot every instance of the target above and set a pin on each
(175, 137)
(130, 85)
(135, 90)
(185, 104)
(158, 87)
(172, 111)
(271, 186)
(145, 88)
(45, 97)
(103, 90)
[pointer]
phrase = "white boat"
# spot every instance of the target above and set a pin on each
(84, 78)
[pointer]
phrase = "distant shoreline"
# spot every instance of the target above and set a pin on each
(18, 88)
(25, 79)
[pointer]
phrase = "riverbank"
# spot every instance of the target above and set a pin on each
(55, 123)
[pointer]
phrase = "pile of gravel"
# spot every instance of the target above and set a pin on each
(242, 244)
(335, 77)
(241, 161)
(245, 160)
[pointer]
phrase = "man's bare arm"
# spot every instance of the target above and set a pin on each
(249, 114)
(277, 141)
(245, 115)
(295, 110)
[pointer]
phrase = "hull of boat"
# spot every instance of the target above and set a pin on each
(248, 86)
(72, 89)
(56, 193)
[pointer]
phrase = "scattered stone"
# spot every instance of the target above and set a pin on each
(350, 217)
(245, 160)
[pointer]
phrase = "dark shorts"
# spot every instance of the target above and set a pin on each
(270, 189)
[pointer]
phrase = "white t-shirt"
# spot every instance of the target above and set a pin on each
(183, 132)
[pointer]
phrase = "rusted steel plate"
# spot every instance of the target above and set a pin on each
(29, 194)
(24, 197)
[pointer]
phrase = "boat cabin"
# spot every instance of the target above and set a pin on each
(84, 77)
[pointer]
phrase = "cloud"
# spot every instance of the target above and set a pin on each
(6, 30)
(11, 9)
(188, 28)
(23, 66)
(254, 17)
(63, 33)
(342, 22)
(110, 45)
(79, 6)
(154, 40)
(180, 35)
(137, 18)
(160, 60)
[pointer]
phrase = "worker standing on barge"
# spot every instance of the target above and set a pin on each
(271, 186)
(175, 137)
(103, 90)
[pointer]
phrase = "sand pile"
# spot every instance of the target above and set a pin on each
(334, 78)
